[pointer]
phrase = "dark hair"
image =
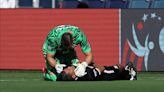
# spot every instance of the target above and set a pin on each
(65, 77)
(66, 40)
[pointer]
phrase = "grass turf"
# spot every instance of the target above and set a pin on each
(31, 81)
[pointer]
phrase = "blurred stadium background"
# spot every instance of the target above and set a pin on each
(108, 24)
(82, 3)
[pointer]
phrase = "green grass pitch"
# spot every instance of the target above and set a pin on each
(31, 81)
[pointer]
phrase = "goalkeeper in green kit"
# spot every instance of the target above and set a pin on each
(59, 51)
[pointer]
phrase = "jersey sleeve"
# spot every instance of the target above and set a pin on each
(85, 46)
(49, 45)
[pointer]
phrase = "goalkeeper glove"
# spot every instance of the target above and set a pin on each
(80, 69)
(59, 67)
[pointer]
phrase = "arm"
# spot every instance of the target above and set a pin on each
(86, 49)
(88, 57)
(51, 60)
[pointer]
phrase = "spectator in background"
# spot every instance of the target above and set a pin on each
(8, 3)
(36, 3)
(25, 3)
(46, 3)
(29, 3)
(60, 3)
(82, 5)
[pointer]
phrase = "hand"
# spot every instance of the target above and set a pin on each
(80, 69)
(59, 67)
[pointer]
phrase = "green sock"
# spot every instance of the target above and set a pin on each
(53, 77)
(50, 77)
(47, 76)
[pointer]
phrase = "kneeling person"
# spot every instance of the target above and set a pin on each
(59, 51)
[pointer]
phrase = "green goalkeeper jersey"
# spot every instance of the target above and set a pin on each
(53, 40)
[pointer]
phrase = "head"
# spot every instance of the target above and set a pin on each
(68, 74)
(66, 41)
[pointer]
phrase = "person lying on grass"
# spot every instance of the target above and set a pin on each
(100, 73)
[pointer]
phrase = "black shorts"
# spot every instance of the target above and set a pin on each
(112, 73)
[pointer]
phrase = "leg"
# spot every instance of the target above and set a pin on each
(110, 73)
(116, 72)
(48, 74)
(131, 69)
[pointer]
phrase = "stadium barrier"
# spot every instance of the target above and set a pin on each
(113, 35)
